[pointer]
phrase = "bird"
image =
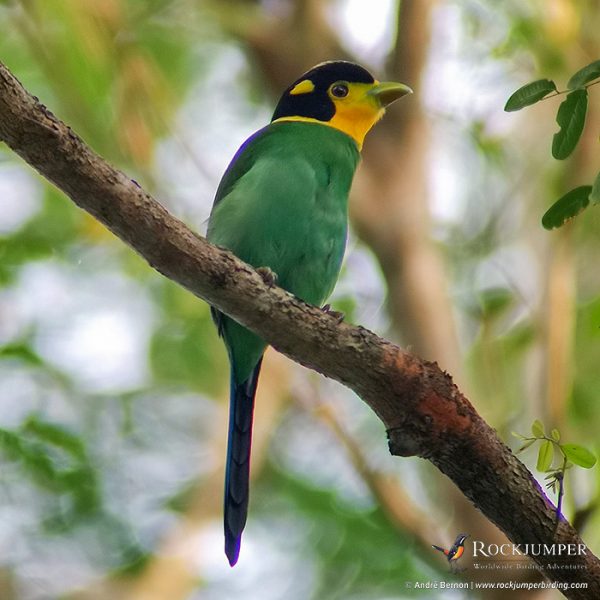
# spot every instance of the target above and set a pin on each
(282, 207)
(456, 551)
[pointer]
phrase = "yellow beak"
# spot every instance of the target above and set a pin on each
(388, 92)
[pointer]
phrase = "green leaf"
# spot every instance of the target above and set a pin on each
(579, 455)
(526, 445)
(537, 428)
(55, 435)
(494, 301)
(595, 193)
(585, 75)
(566, 207)
(571, 119)
(555, 435)
(23, 352)
(529, 94)
(545, 456)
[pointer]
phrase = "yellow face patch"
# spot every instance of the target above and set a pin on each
(304, 87)
(356, 112)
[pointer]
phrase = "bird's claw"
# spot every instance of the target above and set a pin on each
(336, 314)
(267, 275)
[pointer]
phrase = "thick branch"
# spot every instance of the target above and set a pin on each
(423, 411)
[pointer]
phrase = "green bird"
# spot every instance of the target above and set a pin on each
(282, 206)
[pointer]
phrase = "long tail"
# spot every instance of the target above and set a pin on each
(237, 473)
(440, 549)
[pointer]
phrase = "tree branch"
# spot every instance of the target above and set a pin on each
(423, 411)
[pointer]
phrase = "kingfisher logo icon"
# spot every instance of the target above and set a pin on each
(455, 552)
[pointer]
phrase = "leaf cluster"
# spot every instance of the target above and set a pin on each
(573, 453)
(571, 121)
(549, 448)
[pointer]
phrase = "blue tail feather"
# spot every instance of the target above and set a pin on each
(237, 473)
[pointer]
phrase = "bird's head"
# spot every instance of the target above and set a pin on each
(340, 94)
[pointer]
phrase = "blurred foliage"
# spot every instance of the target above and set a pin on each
(56, 461)
(345, 539)
(182, 348)
(113, 70)
(50, 233)
(113, 379)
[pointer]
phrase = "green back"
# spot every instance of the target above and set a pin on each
(282, 204)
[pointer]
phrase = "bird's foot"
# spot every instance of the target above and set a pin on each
(268, 276)
(336, 314)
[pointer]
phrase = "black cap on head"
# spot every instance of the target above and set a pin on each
(317, 104)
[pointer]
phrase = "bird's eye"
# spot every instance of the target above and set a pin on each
(339, 90)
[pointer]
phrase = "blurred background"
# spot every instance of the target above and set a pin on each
(113, 383)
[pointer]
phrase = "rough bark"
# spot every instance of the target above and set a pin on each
(423, 411)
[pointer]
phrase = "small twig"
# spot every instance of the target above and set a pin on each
(560, 477)
(567, 91)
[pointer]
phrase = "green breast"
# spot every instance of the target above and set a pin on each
(282, 204)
